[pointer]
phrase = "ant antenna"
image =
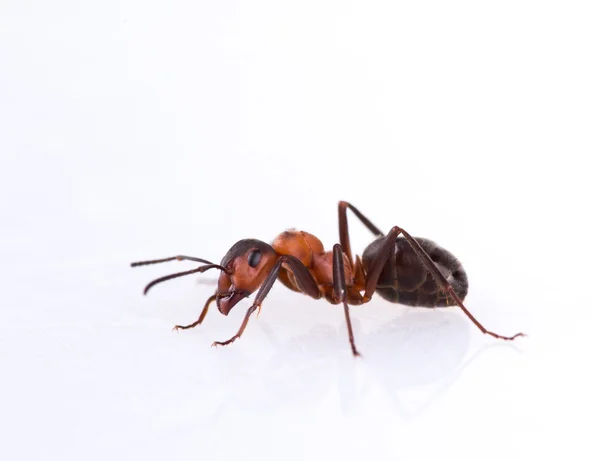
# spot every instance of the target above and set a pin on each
(181, 274)
(174, 258)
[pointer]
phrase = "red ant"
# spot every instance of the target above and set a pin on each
(404, 270)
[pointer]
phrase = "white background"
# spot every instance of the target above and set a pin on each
(134, 130)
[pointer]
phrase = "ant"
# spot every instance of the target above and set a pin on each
(403, 269)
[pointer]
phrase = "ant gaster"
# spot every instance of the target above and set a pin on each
(402, 269)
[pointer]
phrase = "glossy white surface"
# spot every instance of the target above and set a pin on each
(132, 131)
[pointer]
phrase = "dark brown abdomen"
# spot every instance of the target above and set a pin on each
(405, 279)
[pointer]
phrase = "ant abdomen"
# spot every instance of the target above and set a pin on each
(405, 280)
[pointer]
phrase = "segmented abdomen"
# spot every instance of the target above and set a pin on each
(405, 279)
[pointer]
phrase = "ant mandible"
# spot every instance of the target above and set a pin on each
(402, 269)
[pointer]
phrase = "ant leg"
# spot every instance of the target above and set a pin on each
(200, 319)
(240, 331)
(173, 258)
(340, 291)
(343, 225)
(303, 277)
(384, 254)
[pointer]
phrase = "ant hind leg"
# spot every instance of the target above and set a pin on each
(384, 253)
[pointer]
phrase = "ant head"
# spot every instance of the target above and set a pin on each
(246, 265)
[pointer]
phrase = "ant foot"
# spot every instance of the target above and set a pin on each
(224, 343)
(506, 338)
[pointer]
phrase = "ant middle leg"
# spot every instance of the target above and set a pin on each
(385, 252)
(340, 291)
(343, 227)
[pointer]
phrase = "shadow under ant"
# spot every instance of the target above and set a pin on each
(418, 350)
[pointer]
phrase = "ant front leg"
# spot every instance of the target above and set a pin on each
(341, 292)
(305, 281)
(385, 253)
(200, 319)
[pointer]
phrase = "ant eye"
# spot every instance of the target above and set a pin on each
(254, 258)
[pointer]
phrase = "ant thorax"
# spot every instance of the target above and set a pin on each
(311, 253)
(300, 244)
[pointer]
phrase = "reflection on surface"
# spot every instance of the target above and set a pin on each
(412, 360)
(135, 381)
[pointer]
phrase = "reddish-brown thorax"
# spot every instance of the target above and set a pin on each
(311, 252)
